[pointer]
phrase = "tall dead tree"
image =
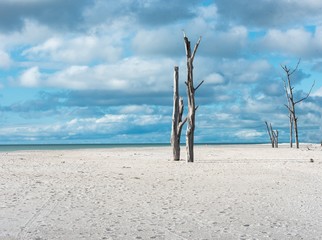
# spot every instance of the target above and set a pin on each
(191, 98)
(273, 135)
(177, 122)
(292, 102)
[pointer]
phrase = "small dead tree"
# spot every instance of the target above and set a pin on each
(191, 98)
(292, 102)
(273, 135)
(177, 122)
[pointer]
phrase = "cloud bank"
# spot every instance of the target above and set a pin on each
(101, 71)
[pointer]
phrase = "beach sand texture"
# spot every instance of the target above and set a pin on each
(230, 192)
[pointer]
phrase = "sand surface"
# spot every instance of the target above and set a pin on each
(230, 192)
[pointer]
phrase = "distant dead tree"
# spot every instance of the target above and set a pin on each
(273, 135)
(177, 122)
(191, 98)
(291, 102)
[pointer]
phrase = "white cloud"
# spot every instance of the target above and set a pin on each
(245, 71)
(227, 43)
(317, 93)
(248, 134)
(78, 50)
(223, 116)
(130, 75)
(50, 45)
(214, 79)
(32, 33)
(5, 60)
(135, 109)
(161, 41)
(30, 77)
(310, 106)
(297, 42)
(257, 106)
(209, 12)
(111, 118)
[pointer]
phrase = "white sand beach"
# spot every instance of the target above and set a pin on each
(229, 192)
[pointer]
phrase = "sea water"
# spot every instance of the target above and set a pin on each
(19, 147)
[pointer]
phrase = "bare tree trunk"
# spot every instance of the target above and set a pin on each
(177, 122)
(191, 114)
(291, 131)
(296, 132)
(191, 99)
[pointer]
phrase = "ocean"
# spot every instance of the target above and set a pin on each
(19, 147)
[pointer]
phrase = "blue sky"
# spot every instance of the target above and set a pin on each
(101, 71)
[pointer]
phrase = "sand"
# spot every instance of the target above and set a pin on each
(230, 192)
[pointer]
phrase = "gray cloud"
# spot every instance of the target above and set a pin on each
(62, 14)
(264, 13)
(159, 13)
(149, 13)
(84, 103)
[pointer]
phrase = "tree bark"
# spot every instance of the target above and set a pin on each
(191, 114)
(177, 122)
(296, 132)
(291, 131)
(191, 99)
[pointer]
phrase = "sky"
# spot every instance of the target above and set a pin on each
(101, 71)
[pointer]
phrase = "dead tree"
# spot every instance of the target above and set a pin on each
(191, 98)
(292, 102)
(177, 122)
(273, 135)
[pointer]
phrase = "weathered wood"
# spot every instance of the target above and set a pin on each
(177, 122)
(191, 98)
